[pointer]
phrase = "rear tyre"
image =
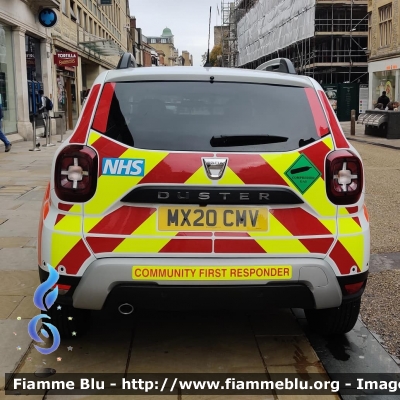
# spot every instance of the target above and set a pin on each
(71, 322)
(334, 321)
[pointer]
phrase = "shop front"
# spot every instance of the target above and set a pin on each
(384, 75)
(66, 95)
(7, 80)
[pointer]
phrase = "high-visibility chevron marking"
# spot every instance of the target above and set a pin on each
(139, 245)
(123, 221)
(253, 169)
(188, 246)
(237, 246)
(301, 223)
(149, 228)
(355, 247)
(348, 226)
(74, 259)
(103, 108)
(103, 244)
(93, 137)
(282, 246)
(317, 154)
(230, 178)
(317, 245)
(343, 258)
(61, 245)
(199, 178)
(275, 228)
(174, 168)
(90, 222)
(68, 223)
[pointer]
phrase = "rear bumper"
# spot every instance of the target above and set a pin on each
(109, 282)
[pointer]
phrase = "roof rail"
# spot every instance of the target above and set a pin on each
(127, 61)
(278, 65)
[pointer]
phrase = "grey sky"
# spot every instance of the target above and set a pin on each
(187, 19)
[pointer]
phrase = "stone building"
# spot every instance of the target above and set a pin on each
(384, 49)
(25, 56)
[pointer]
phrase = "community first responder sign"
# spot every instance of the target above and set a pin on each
(196, 273)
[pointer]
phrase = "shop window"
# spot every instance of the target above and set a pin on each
(64, 6)
(72, 13)
(369, 30)
(385, 25)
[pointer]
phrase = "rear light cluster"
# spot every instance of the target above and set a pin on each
(62, 289)
(344, 177)
(76, 174)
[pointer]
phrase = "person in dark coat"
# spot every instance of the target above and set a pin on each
(3, 137)
(384, 100)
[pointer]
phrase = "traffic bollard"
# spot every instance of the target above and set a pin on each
(48, 132)
(34, 148)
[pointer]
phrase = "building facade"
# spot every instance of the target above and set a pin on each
(384, 49)
(98, 35)
(25, 57)
(325, 39)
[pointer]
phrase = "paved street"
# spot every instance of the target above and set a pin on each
(270, 341)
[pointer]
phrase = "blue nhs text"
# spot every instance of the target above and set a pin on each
(123, 166)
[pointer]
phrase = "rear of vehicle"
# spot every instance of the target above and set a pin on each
(194, 186)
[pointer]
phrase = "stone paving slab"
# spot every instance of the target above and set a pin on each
(18, 283)
(25, 309)
(8, 304)
(14, 242)
(26, 259)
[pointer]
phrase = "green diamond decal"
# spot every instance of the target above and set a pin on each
(303, 173)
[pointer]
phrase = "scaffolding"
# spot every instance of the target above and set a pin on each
(331, 43)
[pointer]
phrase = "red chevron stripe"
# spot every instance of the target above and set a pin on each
(357, 220)
(317, 245)
(103, 244)
(299, 222)
(103, 108)
(340, 139)
(253, 169)
(237, 246)
(188, 246)
(64, 207)
(75, 258)
(123, 221)
(352, 210)
(175, 168)
(81, 130)
(321, 123)
(59, 218)
(107, 149)
(317, 153)
(343, 259)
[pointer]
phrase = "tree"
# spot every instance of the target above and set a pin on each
(204, 58)
(215, 52)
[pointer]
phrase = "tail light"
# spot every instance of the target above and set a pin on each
(62, 289)
(353, 288)
(344, 177)
(76, 174)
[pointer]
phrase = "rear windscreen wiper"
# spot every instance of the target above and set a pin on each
(245, 140)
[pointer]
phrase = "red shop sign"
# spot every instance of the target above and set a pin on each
(64, 59)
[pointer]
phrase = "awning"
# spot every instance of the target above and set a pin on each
(103, 47)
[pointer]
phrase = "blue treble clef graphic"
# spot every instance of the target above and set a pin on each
(44, 302)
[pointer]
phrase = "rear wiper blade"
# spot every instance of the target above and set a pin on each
(245, 140)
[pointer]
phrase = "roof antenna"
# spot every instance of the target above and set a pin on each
(208, 64)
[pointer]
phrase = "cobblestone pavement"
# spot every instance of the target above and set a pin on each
(271, 340)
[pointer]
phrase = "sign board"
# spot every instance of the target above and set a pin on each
(63, 59)
(363, 99)
(47, 17)
(105, 2)
(30, 59)
(331, 93)
(390, 67)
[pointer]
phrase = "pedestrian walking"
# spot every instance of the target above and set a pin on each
(3, 138)
(384, 100)
(46, 105)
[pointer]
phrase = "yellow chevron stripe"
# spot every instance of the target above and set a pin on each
(61, 245)
(230, 178)
(70, 223)
(199, 178)
(149, 227)
(343, 211)
(77, 209)
(136, 245)
(347, 226)
(329, 142)
(275, 228)
(90, 222)
(93, 136)
(355, 246)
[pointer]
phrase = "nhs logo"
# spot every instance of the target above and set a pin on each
(123, 166)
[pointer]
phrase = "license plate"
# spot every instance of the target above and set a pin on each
(211, 273)
(212, 219)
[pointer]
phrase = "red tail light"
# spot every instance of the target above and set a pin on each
(344, 177)
(353, 287)
(76, 174)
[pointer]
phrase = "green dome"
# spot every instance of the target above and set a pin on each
(167, 33)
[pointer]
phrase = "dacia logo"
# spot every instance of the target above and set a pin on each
(123, 166)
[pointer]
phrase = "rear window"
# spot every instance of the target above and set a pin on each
(193, 116)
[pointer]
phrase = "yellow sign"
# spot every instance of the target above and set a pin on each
(212, 219)
(196, 273)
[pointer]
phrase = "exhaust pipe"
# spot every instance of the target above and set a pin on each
(126, 309)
